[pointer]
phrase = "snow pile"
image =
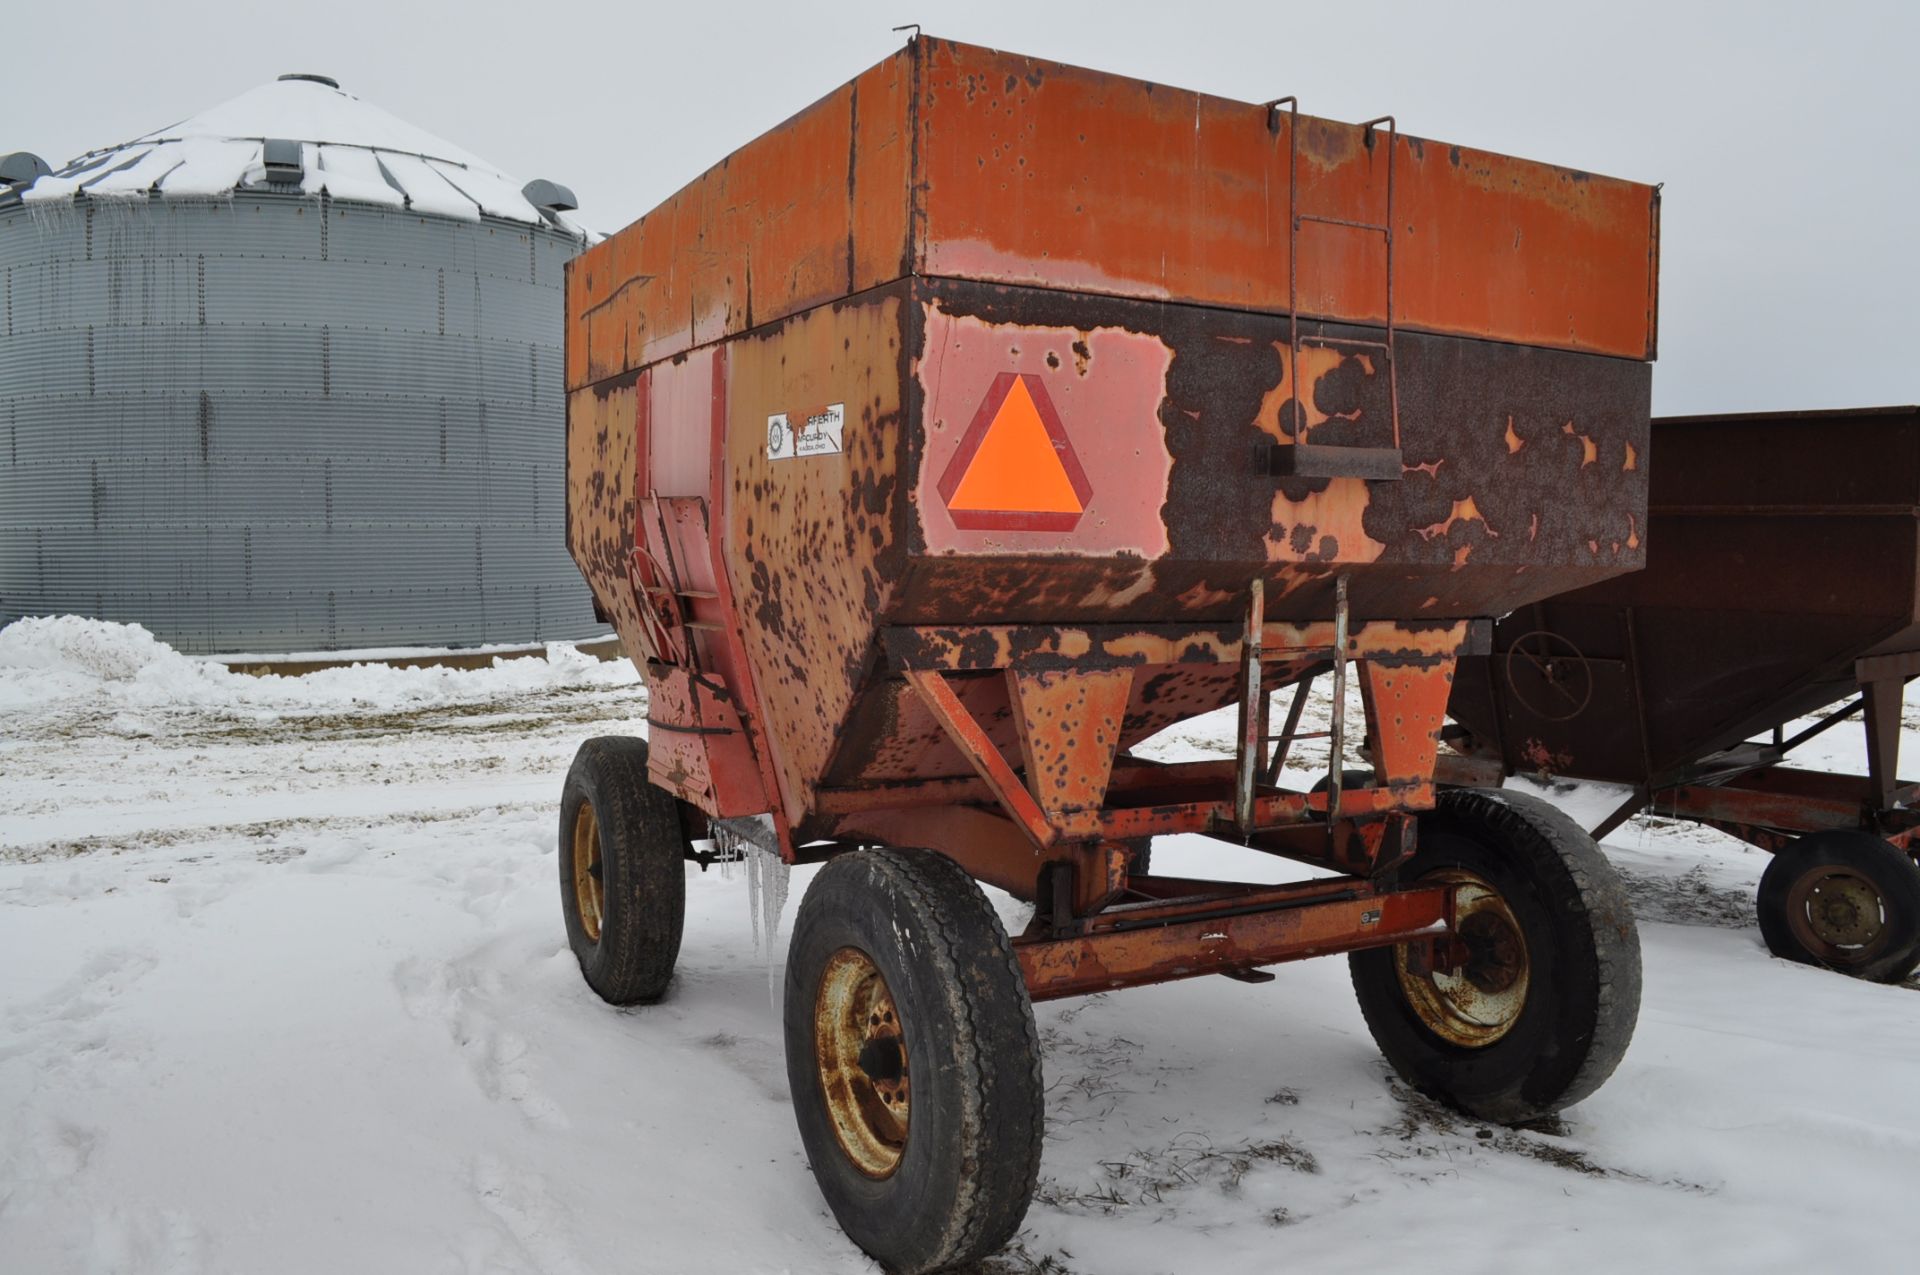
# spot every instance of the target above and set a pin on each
(65, 662)
(85, 649)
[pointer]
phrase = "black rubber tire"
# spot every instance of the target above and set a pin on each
(972, 1150)
(1351, 777)
(643, 847)
(1896, 877)
(1583, 950)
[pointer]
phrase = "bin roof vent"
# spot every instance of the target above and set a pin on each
(281, 158)
(549, 196)
(22, 168)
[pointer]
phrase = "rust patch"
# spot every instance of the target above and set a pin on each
(816, 541)
(1589, 450)
(601, 440)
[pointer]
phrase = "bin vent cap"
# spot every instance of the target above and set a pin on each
(281, 158)
(549, 196)
(327, 80)
(22, 168)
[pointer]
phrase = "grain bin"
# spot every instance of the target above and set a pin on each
(286, 376)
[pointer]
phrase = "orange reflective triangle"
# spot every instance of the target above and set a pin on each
(1017, 467)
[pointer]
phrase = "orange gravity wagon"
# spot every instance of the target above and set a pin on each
(986, 418)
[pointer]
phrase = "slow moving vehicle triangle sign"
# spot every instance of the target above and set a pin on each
(1015, 469)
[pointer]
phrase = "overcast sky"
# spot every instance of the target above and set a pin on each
(1785, 133)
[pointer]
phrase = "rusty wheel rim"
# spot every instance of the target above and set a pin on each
(589, 890)
(1478, 1002)
(861, 1051)
(1837, 914)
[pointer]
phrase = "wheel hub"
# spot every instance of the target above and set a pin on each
(589, 889)
(861, 1053)
(1837, 913)
(1478, 1000)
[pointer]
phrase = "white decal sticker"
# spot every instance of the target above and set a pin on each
(815, 433)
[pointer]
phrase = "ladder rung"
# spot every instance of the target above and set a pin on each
(1346, 340)
(1321, 460)
(1351, 225)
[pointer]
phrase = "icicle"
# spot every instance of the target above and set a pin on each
(773, 874)
(767, 880)
(768, 876)
(753, 893)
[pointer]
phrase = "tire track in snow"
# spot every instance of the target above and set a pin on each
(462, 995)
(256, 830)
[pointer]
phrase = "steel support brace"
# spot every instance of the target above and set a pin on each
(1337, 743)
(1229, 936)
(971, 739)
(1253, 726)
(1759, 808)
(1883, 696)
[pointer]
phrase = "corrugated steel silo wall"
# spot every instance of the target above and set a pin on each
(276, 423)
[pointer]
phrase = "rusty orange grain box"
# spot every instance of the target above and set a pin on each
(983, 363)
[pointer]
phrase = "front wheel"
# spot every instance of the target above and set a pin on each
(1534, 1004)
(623, 883)
(913, 1059)
(1844, 900)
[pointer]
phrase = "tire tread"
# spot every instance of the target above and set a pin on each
(1582, 890)
(642, 849)
(944, 888)
(994, 1048)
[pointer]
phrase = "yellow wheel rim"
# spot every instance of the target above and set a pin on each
(861, 1051)
(589, 889)
(1479, 1001)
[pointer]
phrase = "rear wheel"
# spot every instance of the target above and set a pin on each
(1844, 900)
(623, 885)
(1534, 1006)
(913, 1059)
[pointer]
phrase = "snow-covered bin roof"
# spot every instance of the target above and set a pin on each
(350, 149)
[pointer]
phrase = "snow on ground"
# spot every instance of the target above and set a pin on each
(284, 988)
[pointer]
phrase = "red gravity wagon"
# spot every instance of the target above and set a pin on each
(989, 416)
(1783, 583)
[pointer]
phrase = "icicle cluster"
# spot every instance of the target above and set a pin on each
(767, 881)
(768, 877)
